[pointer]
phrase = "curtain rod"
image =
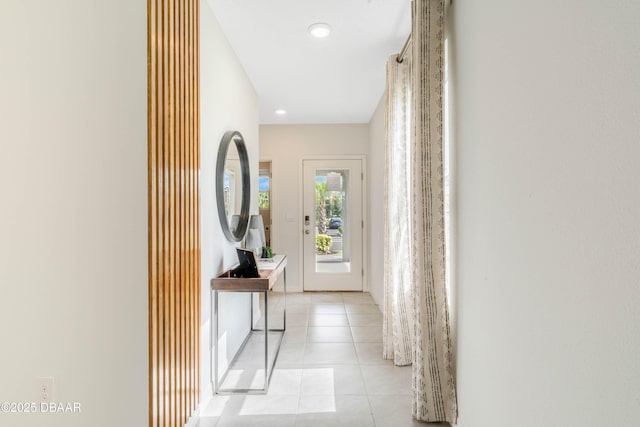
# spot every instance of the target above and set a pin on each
(403, 51)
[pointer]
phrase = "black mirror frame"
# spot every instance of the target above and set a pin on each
(235, 136)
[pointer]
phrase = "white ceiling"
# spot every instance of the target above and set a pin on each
(338, 79)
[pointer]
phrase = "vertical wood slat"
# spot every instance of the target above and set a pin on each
(174, 223)
(181, 231)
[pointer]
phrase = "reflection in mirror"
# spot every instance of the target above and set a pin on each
(233, 187)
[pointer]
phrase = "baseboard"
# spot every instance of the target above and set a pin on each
(206, 399)
(194, 420)
(376, 300)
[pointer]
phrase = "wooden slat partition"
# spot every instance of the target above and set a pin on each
(174, 221)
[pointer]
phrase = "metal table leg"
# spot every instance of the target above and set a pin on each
(267, 372)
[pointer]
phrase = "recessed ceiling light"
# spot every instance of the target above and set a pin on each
(280, 111)
(319, 29)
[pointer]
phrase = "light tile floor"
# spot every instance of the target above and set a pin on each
(329, 371)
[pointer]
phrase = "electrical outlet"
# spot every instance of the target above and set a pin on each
(44, 389)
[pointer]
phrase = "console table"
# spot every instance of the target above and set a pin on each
(270, 271)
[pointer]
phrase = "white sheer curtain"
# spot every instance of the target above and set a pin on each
(398, 302)
(416, 315)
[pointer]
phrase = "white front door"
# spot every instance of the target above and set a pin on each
(332, 225)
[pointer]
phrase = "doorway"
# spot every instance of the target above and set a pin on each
(264, 198)
(333, 225)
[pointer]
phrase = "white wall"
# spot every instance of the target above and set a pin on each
(548, 258)
(73, 222)
(227, 102)
(286, 146)
(376, 201)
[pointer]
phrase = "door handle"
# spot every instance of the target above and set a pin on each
(306, 231)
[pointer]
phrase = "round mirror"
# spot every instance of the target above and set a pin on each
(233, 186)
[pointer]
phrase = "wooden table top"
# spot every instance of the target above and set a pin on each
(269, 271)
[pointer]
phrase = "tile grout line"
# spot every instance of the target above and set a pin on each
(305, 348)
(364, 383)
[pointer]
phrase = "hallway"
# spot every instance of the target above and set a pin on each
(329, 371)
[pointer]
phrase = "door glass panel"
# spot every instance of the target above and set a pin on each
(264, 198)
(332, 221)
(263, 190)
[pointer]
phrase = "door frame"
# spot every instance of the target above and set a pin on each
(365, 213)
(272, 195)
